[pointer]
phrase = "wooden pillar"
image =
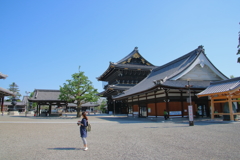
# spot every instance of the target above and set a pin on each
(230, 108)
(166, 99)
(126, 103)
(39, 109)
(50, 109)
(138, 107)
(2, 100)
(212, 108)
(155, 99)
(181, 99)
(146, 104)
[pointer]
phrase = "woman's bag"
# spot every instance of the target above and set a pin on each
(88, 128)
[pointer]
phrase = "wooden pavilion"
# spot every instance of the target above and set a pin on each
(4, 92)
(47, 97)
(227, 91)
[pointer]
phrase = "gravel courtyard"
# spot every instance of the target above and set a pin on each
(118, 138)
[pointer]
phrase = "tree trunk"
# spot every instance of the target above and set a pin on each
(79, 113)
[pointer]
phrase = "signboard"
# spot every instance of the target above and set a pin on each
(135, 113)
(149, 110)
(175, 112)
(190, 113)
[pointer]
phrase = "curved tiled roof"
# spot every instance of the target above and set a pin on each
(6, 92)
(45, 95)
(166, 72)
(3, 76)
(221, 86)
(132, 55)
(127, 63)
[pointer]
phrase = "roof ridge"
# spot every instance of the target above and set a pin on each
(228, 80)
(177, 59)
(56, 90)
(130, 55)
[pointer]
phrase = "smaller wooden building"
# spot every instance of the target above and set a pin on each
(226, 91)
(47, 97)
(4, 92)
(20, 106)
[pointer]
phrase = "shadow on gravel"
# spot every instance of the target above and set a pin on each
(64, 148)
(44, 117)
(198, 122)
(126, 119)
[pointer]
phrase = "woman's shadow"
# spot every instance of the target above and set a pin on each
(65, 148)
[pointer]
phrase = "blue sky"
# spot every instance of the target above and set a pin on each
(42, 42)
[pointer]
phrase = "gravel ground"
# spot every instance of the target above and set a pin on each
(118, 138)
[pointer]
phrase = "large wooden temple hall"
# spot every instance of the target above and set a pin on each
(137, 87)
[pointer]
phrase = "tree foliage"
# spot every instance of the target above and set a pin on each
(103, 105)
(14, 88)
(79, 90)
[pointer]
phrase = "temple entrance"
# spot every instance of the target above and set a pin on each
(143, 111)
(201, 110)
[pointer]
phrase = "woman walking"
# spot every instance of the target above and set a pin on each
(83, 130)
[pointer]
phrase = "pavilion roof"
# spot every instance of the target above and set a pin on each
(221, 87)
(3, 76)
(6, 92)
(45, 95)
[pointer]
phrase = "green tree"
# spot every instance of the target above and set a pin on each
(232, 76)
(78, 90)
(32, 105)
(103, 105)
(14, 88)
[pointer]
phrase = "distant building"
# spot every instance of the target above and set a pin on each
(92, 106)
(4, 92)
(20, 106)
(50, 98)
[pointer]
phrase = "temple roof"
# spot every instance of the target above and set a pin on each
(133, 61)
(3, 76)
(221, 87)
(21, 103)
(45, 95)
(113, 89)
(6, 92)
(175, 74)
(134, 55)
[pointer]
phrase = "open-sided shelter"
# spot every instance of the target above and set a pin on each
(227, 91)
(4, 92)
(47, 97)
